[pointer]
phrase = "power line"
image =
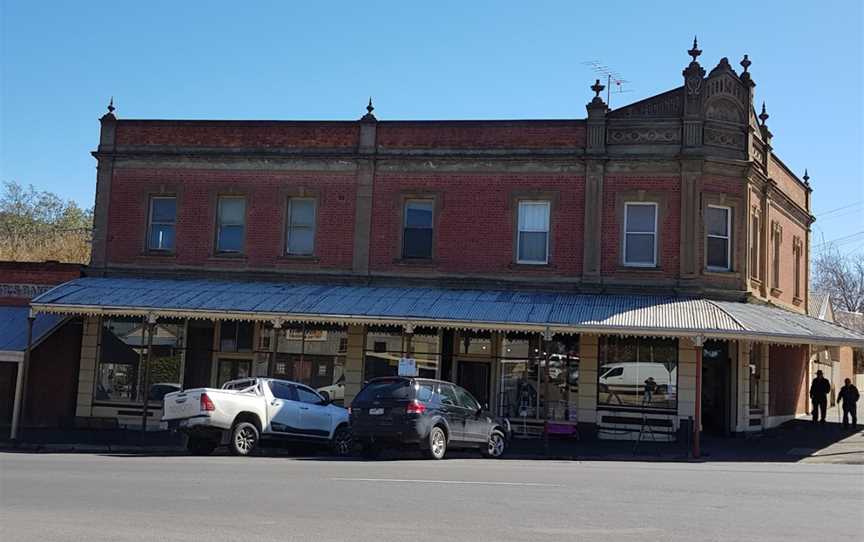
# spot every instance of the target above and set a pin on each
(853, 204)
(839, 240)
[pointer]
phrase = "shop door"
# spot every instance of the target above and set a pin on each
(716, 387)
(474, 377)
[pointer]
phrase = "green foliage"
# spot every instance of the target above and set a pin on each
(37, 226)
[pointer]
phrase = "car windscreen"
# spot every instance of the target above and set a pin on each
(387, 389)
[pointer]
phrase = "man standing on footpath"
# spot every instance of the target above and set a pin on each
(849, 395)
(819, 390)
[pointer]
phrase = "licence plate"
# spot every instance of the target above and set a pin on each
(376, 411)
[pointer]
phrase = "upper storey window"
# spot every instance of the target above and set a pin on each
(231, 224)
(718, 227)
(301, 227)
(640, 234)
(163, 220)
(417, 229)
(533, 240)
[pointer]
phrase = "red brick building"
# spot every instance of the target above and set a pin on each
(670, 220)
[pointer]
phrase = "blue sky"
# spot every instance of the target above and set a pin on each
(321, 60)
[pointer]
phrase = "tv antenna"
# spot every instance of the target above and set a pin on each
(614, 79)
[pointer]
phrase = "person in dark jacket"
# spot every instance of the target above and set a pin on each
(819, 390)
(849, 395)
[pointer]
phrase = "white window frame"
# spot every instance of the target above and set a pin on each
(291, 226)
(219, 224)
(727, 237)
(151, 223)
(519, 230)
(654, 233)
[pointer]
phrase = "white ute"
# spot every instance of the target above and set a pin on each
(252, 409)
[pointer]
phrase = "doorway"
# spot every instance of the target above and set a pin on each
(233, 369)
(716, 387)
(474, 377)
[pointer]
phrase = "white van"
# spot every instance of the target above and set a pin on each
(629, 378)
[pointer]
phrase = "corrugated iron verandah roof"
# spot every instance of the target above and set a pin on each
(440, 307)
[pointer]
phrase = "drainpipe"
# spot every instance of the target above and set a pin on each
(699, 343)
(21, 382)
(151, 324)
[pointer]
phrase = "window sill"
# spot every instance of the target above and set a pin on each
(640, 268)
(296, 258)
(415, 262)
(164, 254)
(528, 265)
(725, 273)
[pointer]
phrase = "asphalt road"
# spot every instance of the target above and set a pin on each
(99, 497)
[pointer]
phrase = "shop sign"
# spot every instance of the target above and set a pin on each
(407, 367)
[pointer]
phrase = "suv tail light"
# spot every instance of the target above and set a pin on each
(415, 407)
(206, 403)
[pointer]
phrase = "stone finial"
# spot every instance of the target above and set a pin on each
(597, 88)
(745, 63)
(763, 116)
(695, 51)
(369, 108)
(109, 116)
(806, 178)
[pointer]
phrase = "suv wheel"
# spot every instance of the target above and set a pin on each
(437, 443)
(496, 445)
(342, 443)
(244, 438)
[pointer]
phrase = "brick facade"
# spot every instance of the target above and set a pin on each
(683, 150)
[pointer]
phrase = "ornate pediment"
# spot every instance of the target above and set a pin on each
(725, 110)
(668, 104)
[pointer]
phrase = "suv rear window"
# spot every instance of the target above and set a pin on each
(394, 389)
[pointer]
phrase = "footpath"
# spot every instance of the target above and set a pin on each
(799, 440)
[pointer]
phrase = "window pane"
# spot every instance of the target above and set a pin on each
(532, 246)
(650, 381)
(232, 210)
(230, 238)
(302, 212)
(164, 210)
(307, 396)
(417, 243)
(534, 216)
(640, 218)
(418, 214)
(717, 255)
(301, 241)
(161, 237)
(716, 221)
(640, 248)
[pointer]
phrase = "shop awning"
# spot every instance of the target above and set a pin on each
(13, 331)
(643, 315)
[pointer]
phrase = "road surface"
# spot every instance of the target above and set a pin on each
(119, 498)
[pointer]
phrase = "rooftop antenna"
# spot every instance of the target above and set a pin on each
(614, 79)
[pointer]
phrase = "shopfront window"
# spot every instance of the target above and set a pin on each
(385, 346)
(123, 355)
(311, 355)
(637, 372)
(528, 388)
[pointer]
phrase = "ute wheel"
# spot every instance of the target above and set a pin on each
(201, 446)
(437, 445)
(496, 445)
(342, 444)
(244, 438)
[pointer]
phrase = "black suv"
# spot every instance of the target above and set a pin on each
(432, 414)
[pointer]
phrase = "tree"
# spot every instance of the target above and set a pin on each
(841, 276)
(36, 226)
